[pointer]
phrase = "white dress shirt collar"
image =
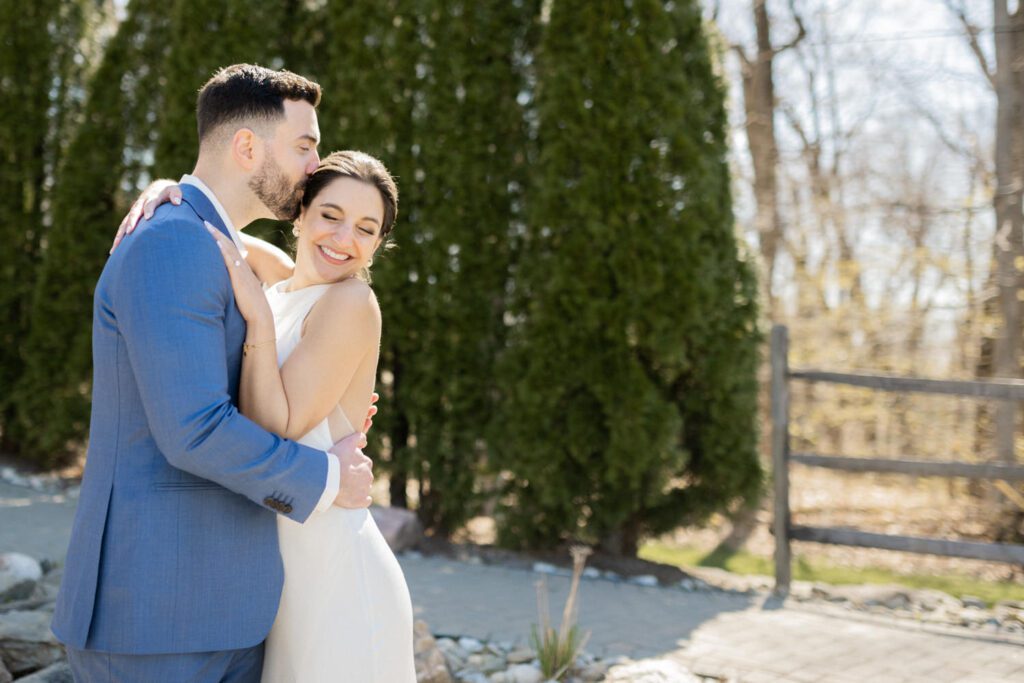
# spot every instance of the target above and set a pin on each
(236, 237)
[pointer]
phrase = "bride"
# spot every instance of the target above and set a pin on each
(308, 369)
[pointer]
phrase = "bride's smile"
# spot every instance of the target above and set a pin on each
(338, 232)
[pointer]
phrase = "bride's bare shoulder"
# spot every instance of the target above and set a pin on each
(349, 306)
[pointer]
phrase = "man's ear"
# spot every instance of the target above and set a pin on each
(246, 149)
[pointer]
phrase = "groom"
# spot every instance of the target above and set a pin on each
(173, 571)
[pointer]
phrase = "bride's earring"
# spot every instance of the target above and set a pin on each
(295, 230)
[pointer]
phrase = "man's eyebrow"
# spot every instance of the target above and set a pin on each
(338, 208)
(312, 138)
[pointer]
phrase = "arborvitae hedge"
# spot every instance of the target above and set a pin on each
(44, 47)
(630, 381)
(467, 174)
(583, 179)
(52, 393)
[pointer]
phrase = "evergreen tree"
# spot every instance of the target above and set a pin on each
(631, 390)
(43, 52)
(93, 187)
(372, 102)
(207, 37)
(468, 172)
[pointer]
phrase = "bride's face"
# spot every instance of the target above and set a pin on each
(339, 231)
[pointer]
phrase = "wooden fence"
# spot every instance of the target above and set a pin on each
(785, 531)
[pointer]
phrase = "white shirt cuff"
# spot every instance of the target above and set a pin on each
(333, 483)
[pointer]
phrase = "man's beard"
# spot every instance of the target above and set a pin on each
(272, 188)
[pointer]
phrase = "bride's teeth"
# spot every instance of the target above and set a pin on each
(333, 254)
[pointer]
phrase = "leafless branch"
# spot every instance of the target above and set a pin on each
(800, 34)
(972, 38)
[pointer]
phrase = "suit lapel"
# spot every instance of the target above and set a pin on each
(201, 204)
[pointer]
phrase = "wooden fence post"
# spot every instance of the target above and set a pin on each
(780, 455)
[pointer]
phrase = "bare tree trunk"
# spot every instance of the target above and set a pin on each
(1009, 153)
(759, 108)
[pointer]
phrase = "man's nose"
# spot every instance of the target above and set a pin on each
(314, 162)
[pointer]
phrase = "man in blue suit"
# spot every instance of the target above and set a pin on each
(173, 571)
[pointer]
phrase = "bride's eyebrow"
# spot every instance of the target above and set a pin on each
(327, 205)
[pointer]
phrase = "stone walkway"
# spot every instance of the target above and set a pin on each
(743, 638)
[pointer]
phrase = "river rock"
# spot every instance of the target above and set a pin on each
(972, 601)
(55, 673)
(519, 673)
(18, 576)
(431, 666)
(26, 643)
(401, 528)
(521, 655)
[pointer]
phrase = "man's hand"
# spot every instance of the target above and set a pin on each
(374, 397)
(356, 472)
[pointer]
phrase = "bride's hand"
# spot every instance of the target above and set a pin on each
(374, 397)
(158, 192)
(249, 296)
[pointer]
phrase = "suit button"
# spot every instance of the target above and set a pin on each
(270, 502)
(286, 508)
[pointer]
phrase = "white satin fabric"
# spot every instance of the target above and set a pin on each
(345, 614)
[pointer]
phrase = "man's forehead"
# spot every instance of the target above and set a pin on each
(300, 117)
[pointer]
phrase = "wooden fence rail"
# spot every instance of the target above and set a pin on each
(785, 531)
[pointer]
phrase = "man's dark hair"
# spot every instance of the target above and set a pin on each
(243, 92)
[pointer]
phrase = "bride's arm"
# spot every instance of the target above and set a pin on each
(270, 264)
(341, 331)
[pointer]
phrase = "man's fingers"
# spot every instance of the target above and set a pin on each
(374, 397)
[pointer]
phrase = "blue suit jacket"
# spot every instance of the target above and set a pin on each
(174, 544)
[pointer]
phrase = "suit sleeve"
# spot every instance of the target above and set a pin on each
(172, 299)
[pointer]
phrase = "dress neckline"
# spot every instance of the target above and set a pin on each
(280, 287)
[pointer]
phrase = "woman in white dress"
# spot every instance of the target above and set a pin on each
(308, 371)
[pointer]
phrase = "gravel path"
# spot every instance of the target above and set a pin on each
(747, 638)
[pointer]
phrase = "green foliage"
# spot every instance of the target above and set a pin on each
(806, 569)
(43, 50)
(462, 188)
(556, 654)
(566, 309)
(208, 36)
(431, 88)
(52, 394)
(630, 378)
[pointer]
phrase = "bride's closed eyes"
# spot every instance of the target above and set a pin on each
(328, 215)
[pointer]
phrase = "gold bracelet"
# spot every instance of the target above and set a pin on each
(246, 348)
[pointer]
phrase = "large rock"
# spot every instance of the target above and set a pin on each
(400, 527)
(26, 643)
(431, 666)
(18, 576)
(55, 673)
(651, 671)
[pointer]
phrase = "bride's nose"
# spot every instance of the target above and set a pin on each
(343, 233)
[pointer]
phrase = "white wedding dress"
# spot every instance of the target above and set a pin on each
(345, 613)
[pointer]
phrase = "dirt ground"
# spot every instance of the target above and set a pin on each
(880, 503)
(869, 502)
